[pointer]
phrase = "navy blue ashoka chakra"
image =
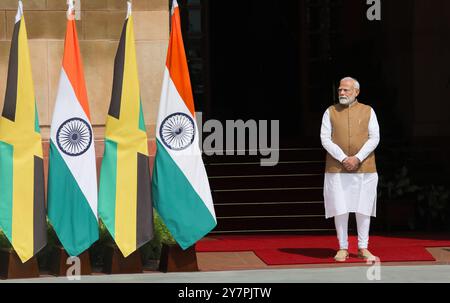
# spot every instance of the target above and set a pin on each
(74, 137)
(177, 131)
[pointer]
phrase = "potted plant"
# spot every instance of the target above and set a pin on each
(398, 200)
(4, 242)
(434, 207)
(151, 252)
(5, 250)
(98, 249)
(105, 255)
(11, 267)
(172, 258)
(44, 256)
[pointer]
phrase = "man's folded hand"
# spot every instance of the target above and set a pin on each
(351, 163)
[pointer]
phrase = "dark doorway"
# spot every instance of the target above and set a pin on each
(255, 62)
(281, 60)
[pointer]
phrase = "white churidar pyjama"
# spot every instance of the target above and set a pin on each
(363, 226)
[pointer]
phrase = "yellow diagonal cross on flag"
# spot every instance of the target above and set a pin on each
(124, 196)
(22, 209)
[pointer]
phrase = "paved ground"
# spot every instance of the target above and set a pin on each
(245, 267)
(354, 274)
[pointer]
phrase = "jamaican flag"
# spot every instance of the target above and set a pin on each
(124, 195)
(22, 209)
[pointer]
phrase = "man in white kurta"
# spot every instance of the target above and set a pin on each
(350, 191)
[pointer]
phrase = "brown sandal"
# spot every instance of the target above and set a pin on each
(341, 255)
(366, 255)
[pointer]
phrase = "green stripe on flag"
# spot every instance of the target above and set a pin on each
(181, 208)
(36, 119)
(141, 118)
(68, 209)
(107, 191)
(6, 188)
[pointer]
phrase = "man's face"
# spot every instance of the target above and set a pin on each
(347, 92)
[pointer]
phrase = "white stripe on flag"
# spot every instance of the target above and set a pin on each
(83, 167)
(188, 160)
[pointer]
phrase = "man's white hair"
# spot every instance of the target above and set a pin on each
(355, 82)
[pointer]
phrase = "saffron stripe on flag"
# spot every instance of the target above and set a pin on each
(177, 63)
(73, 66)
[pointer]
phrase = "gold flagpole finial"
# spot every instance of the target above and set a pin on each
(70, 9)
(19, 11)
(174, 5)
(129, 8)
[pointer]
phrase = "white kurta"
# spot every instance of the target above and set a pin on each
(350, 192)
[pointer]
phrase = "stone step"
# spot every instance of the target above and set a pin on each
(273, 223)
(269, 209)
(282, 168)
(299, 194)
(266, 181)
(289, 154)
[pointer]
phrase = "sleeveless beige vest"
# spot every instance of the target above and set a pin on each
(350, 131)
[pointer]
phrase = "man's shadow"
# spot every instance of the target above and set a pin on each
(319, 253)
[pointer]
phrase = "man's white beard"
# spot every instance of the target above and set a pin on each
(344, 100)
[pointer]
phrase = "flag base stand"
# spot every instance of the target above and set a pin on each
(175, 259)
(59, 259)
(116, 263)
(11, 267)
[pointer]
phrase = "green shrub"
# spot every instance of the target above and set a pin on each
(434, 206)
(397, 187)
(4, 242)
(97, 250)
(149, 251)
(152, 250)
(45, 254)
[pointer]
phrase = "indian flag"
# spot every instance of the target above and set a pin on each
(125, 205)
(72, 176)
(22, 208)
(180, 187)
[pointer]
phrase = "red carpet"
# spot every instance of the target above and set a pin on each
(285, 250)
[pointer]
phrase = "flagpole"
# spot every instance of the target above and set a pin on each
(20, 3)
(129, 9)
(19, 11)
(70, 10)
(174, 5)
(172, 11)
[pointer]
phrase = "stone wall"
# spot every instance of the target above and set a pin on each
(99, 31)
